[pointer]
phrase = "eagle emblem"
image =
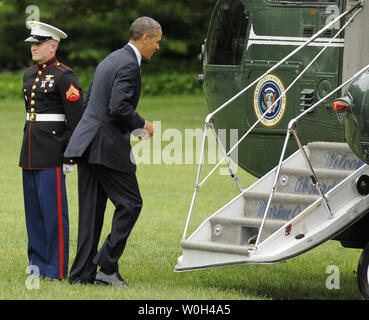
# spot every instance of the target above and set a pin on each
(270, 101)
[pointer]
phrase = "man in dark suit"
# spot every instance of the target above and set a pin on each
(101, 145)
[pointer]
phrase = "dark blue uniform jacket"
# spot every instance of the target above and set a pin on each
(49, 88)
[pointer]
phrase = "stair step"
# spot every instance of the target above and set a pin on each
(284, 206)
(333, 155)
(298, 181)
(241, 230)
(216, 247)
(319, 172)
(250, 222)
(329, 146)
(288, 198)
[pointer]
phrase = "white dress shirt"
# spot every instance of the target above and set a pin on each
(138, 54)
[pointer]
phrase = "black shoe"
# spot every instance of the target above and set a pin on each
(81, 281)
(114, 279)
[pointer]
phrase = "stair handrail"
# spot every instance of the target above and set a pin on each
(290, 129)
(299, 48)
(279, 98)
(209, 118)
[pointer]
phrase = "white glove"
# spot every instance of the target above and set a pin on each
(67, 168)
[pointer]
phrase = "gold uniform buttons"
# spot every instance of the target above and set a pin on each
(34, 87)
(32, 109)
(33, 102)
(43, 66)
(37, 79)
(45, 90)
(58, 64)
(40, 73)
(71, 161)
(24, 90)
(54, 132)
(32, 94)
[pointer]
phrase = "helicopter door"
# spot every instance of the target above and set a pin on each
(222, 68)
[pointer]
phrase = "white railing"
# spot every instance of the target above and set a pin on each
(209, 123)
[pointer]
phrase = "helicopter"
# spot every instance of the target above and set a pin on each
(291, 77)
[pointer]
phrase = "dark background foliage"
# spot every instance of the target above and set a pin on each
(97, 27)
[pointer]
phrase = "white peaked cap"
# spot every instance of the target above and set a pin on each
(42, 32)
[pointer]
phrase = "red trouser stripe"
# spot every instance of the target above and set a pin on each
(60, 222)
(29, 145)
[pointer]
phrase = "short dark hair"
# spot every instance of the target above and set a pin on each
(143, 25)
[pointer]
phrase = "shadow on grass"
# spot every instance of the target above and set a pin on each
(277, 282)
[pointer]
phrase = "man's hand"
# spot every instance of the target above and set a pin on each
(148, 130)
(67, 168)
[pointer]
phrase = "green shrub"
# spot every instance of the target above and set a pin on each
(173, 83)
(154, 84)
(170, 83)
(11, 85)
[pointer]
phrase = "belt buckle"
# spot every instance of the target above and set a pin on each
(32, 116)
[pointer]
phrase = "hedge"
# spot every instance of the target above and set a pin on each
(152, 84)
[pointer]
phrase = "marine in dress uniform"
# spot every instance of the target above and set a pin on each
(101, 145)
(54, 106)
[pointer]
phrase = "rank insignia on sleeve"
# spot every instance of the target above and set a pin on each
(72, 94)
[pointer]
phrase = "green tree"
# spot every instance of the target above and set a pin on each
(97, 27)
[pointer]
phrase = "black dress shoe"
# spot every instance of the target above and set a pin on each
(114, 279)
(81, 281)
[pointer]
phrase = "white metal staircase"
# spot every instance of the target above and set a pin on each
(296, 220)
(307, 199)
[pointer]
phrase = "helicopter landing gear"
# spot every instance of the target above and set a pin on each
(362, 185)
(363, 273)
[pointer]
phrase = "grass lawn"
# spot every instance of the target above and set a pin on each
(153, 247)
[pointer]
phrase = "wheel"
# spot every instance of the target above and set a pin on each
(363, 273)
(362, 185)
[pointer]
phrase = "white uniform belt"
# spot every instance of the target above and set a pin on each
(45, 117)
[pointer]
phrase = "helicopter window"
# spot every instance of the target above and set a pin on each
(227, 33)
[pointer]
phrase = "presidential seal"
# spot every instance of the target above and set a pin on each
(267, 91)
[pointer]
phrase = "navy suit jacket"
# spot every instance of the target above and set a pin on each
(110, 116)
